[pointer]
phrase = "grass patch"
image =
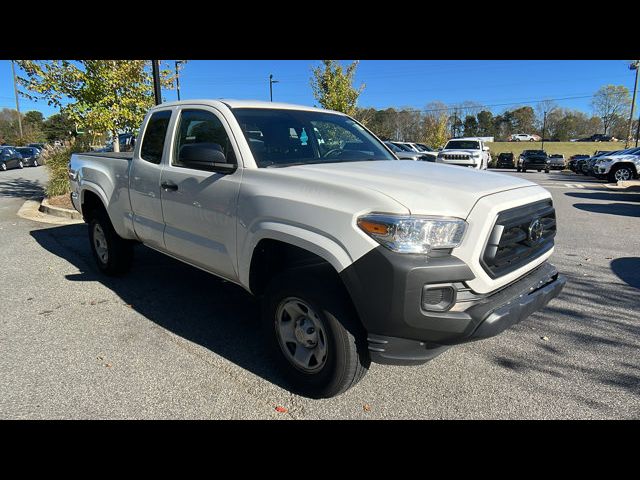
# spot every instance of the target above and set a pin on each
(566, 148)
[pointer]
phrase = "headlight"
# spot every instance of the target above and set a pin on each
(413, 234)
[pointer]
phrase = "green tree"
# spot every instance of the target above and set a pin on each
(523, 119)
(332, 86)
(610, 102)
(99, 95)
(58, 127)
(470, 126)
(486, 127)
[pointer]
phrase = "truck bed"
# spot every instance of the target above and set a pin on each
(121, 155)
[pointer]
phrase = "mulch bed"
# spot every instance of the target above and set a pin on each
(61, 201)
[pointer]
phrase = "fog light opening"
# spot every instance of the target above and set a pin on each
(438, 298)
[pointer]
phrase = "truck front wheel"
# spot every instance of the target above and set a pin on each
(314, 334)
(112, 253)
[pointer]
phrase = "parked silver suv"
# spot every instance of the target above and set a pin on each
(624, 165)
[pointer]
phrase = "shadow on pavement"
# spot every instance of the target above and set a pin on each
(622, 209)
(193, 304)
(21, 188)
(628, 270)
(596, 318)
(610, 196)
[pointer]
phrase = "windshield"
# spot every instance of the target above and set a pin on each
(393, 147)
(26, 151)
(281, 138)
(462, 145)
(403, 147)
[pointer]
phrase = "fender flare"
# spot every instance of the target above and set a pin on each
(325, 247)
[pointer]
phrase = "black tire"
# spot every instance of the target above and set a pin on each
(35, 162)
(617, 168)
(546, 170)
(119, 251)
(539, 170)
(20, 164)
(531, 140)
(3, 166)
(347, 356)
(524, 169)
(518, 169)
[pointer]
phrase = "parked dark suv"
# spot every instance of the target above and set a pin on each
(10, 158)
(505, 160)
(573, 160)
(30, 156)
(533, 160)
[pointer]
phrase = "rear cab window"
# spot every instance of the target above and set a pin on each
(155, 136)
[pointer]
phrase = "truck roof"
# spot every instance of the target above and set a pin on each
(233, 103)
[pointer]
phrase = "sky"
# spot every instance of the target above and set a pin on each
(501, 84)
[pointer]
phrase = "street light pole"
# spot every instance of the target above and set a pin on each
(544, 125)
(271, 82)
(178, 62)
(156, 81)
(634, 66)
(15, 89)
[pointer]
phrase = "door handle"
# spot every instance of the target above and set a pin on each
(169, 186)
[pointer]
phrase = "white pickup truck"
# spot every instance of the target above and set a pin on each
(465, 152)
(358, 257)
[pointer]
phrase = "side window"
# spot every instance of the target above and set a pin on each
(154, 136)
(201, 126)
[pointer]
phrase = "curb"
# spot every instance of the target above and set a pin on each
(30, 210)
(59, 211)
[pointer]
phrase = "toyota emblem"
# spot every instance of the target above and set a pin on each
(535, 230)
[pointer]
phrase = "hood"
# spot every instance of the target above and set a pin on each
(424, 188)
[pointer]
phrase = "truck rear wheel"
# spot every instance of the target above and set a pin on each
(112, 253)
(314, 334)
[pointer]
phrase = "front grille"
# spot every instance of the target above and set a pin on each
(513, 241)
(456, 156)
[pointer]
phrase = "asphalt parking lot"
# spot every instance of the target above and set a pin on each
(170, 341)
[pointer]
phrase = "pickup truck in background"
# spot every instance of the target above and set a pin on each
(533, 160)
(465, 152)
(357, 257)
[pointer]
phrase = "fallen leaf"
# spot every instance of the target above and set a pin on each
(546, 339)
(108, 365)
(366, 407)
(280, 409)
(100, 358)
(30, 298)
(92, 302)
(608, 258)
(588, 259)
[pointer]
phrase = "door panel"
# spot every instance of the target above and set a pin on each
(144, 190)
(200, 214)
(200, 218)
(144, 184)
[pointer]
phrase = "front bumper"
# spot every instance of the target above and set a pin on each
(402, 333)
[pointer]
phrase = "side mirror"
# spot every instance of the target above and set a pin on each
(205, 156)
(485, 148)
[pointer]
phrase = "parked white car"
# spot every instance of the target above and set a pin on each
(466, 152)
(624, 165)
(524, 137)
(357, 257)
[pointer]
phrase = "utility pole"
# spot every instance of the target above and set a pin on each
(15, 89)
(544, 124)
(156, 81)
(178, 62)
(271, 82)
(634, 66)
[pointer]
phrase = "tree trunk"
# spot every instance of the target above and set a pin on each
(116, 141)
